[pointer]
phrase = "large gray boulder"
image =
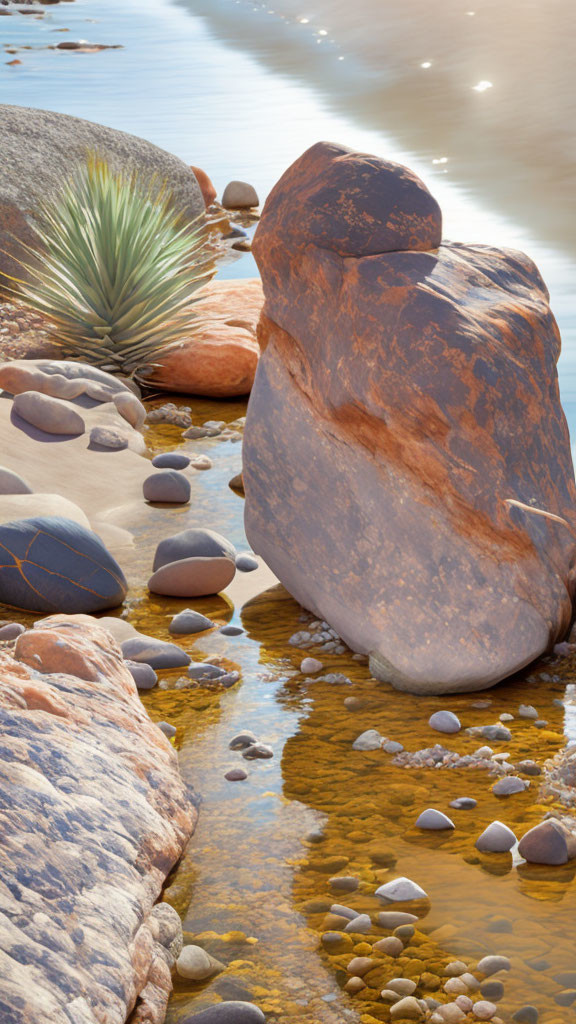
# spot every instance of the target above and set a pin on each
(41, 148)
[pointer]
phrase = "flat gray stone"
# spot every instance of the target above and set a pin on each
(205, 670)
(242, 740)
(156, 653)
(170, 460)
(391, 919)
(492, 964)
(463, 803)
(258, 751)
(236, 775)
(232, 630)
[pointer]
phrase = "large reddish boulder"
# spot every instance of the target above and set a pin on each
(220, 358)
(406, 395)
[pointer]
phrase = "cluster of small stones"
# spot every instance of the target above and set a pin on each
(180, 416)
(318, 633)
(403, 969)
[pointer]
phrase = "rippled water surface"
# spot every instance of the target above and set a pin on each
(254, 886)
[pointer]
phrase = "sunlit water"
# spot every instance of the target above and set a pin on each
(254, 886)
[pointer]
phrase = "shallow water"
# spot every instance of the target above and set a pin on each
(253, 887)
(254, 890)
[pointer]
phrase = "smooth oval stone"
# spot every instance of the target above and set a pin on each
(497, 838)
(464, 803)
(246, 563)
(11, 630)
(232, 631)
(51, 415)
(168, 486)
(170, 460)
(233, 1012)
(434, 820)
(13, 483)
(309, 667)
(143, 674)
(236, 775)
(239, 195)
(345, 883)
(400, 890)
(130, 408)
(156, 653)
(403, 986)
(192, 577)
(189, 621)
(193, 543)
(444, 721)
(509, 785)
(52, 564)
(492, 964)
(205, 670)
(390, 946)
(242, 740)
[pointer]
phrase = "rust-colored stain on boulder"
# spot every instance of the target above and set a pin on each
(219, 357)
(407, 389)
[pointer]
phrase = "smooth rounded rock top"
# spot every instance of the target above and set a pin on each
(444, 721)
(52, 415)
(168, 487)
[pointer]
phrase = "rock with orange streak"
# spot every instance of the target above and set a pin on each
(206, 186)
(94, 815)
(406, 393)
(220, 357)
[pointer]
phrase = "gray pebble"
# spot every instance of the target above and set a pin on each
(242, 740)
(258, 750)
(167, 486)
(189, 621)
(444, 721)
(392, 747)
(232, 630)
(246, 563)
(236, 775)
(464, 803)
(205, 670)
(508, 785)
(434, 820)
(170, 460)
(167, 729)
(344, 883)
(143, 675)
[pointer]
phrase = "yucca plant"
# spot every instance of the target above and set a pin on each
(116, 268)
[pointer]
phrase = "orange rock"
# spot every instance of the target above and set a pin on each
(406, 394)
(219, 360)
(206, 187)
